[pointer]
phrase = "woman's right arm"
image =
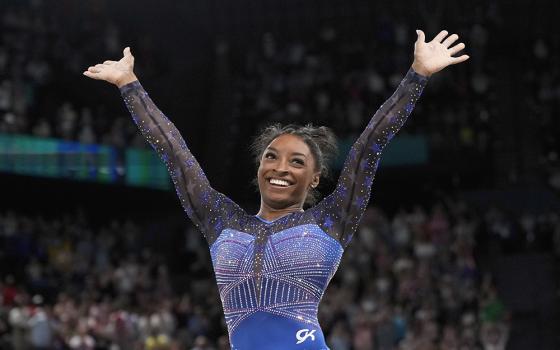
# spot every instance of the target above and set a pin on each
(206, 207)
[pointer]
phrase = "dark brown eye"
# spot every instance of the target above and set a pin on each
(269, 155)
(299, 161)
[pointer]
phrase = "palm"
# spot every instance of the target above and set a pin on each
(431, 57)
(116, 72)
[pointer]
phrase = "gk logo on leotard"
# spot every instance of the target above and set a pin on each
(303, 334)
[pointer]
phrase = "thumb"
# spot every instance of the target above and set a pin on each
(421, 36)
(127, 54)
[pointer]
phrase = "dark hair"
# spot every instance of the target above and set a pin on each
(320, 140)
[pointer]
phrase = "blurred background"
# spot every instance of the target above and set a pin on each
(460, 248)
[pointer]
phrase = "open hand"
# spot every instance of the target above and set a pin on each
(431, 57)
(116, 72)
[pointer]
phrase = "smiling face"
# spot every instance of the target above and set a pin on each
(287, 171)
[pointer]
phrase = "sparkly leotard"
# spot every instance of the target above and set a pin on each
(272, 275)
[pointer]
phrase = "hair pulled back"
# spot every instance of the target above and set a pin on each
(320, 140)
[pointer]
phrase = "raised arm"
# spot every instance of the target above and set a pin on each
(206, 207)
(340, 212)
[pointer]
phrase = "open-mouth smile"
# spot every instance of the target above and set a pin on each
(279, 182)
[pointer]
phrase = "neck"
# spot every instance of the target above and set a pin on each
(270, 214)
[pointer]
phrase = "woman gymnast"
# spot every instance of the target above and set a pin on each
(272, 268)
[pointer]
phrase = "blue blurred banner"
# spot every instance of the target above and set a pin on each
(403, 150)
(55, 158)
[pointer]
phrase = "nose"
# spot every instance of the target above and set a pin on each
(281, 166)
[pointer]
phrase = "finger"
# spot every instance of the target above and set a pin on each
(453, 50)
(450, 40)
(128, 55)
(91, 75)
(440, 36)
(455, 60)
(99, 66)
(421, 36)
(94, 69)
(109, 62)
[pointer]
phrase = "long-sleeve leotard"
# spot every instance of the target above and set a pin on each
(272, 275)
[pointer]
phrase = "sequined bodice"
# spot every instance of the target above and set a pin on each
(283, 273)
(271, 275)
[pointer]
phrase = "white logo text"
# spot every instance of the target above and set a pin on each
(303, 334)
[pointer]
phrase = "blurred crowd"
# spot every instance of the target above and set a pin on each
(542, 94)
(410, 280)
(331, 79)
(328, 78)
(66, 285)
(41, 61)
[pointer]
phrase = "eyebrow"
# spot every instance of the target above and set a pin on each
(294, 153)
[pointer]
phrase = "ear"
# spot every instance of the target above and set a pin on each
(315, 180)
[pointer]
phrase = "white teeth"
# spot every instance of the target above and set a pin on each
(279, 182)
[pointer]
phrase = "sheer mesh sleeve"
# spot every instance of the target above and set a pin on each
(208, 209)
(341, 211)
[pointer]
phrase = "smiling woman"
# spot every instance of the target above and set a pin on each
(273, 268)
(286, 173)
(313, 149)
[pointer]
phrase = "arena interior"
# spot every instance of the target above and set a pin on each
(459, 248)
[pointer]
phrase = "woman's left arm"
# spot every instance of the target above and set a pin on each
(342, 210)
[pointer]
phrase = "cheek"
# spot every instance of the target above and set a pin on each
(260, 171)
(260, 175)
(304, 180)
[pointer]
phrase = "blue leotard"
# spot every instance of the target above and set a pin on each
(272, 275)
